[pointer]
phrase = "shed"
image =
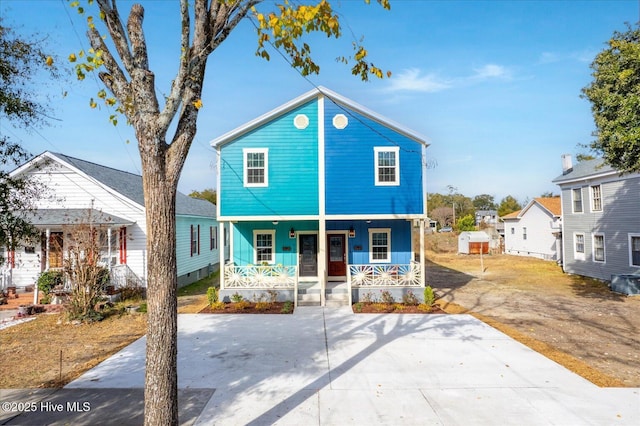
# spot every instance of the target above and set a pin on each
(472, 242)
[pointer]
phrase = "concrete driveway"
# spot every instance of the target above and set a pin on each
(328, 366)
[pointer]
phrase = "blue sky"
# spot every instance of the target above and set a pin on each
(493, 85)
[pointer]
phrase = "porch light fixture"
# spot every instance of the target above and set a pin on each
(368, 221)
(292, 233)
(352, 232)
(275, 222)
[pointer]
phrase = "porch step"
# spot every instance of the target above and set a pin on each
(336, 295)
(309, 299)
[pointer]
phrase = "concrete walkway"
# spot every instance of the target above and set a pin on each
(331, 367)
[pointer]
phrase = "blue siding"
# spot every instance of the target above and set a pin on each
(400, 239)
(292, 168)
(186, 262)
(350, 169)
(285, 247)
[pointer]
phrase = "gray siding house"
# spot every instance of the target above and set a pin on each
(600, 219)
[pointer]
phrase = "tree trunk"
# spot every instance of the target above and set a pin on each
(161, 379)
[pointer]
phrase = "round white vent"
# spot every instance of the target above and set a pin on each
(301, 121)
(340, 121)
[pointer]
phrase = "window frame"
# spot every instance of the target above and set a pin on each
(386, 231)
(594, 247)
(524, 233)
(579, 255)
(272, 233)
(594, 199)
(195, 240)
(396, 167)
(573, 200)
(631, 237)
(265, 167)
(213, 238)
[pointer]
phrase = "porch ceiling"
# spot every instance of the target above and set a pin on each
(60, 217)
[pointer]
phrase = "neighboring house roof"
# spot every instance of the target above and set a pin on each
(306, 97)
(513, 215)
(53, 217)
(586, 169)
(130, 185)
(553, 205)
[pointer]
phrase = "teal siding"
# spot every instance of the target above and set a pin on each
(350, 167)
(292, 169)
(187, 263)
(285, 247)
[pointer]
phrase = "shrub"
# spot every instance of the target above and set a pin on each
(357, 307)
(273, 296)
(243, 304)
(410, 299)
(48, 280)
(217, 306)
(429, 296)
(424, 307)
(262, 306)
(387, 297)
(287, 308)
(368, 297)
(212, 295)
(236, 297)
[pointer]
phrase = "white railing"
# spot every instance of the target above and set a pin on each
(250, 276)
(385, 275)
(122, 276)
(5, 278)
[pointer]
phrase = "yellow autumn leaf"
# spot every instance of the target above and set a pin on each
(72, 57)
(49, 61)
(198, 104)
(92, 103)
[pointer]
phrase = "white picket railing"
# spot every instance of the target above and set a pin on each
(407, 275)
(250, 276)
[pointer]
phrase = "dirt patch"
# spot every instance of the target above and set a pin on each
(576, 321)
(48, 352)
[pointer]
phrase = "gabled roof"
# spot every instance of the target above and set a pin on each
(126, 184)
(306, 97)
(586, 169)
(552, 205)
(60, 217)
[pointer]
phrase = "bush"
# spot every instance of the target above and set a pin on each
(48, 280)
(387, 297)
(288, 307)
(236, 297)
(410, 299)
(212, 295)
(429, 296)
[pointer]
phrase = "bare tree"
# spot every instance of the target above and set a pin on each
(205, 24)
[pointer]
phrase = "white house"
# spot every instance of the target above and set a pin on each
(535, 230)
(114, 199)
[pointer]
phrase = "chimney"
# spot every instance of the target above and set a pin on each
(567, 165)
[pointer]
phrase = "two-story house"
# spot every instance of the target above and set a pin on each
(113, 200)
(321, 193)
(535, 230)
(600, 219)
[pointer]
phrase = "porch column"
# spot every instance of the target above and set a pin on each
(221, 250)
(322, 259)
(109, 248)
(48, 248)
(423, 272)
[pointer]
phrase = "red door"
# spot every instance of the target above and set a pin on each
(337, 255)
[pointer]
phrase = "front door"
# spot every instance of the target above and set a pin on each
(308, 259)
(337, 255)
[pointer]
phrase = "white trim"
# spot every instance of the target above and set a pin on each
(630, 236)
(376, 166)
(245, 181)
(592, 208)
(271, 232)
(593, 247)
(380, 231)
(266, 218)
(373, 216)
(573, 210)
(576, 254)
(323, 269)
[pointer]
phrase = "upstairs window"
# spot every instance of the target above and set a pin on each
(387, 166)
(524, 233)
(576, 194)
(264, 244)
(256, 167)
(596, 198)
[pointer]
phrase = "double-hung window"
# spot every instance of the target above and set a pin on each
(195, 240)
(524, 232)
(380, 245)
(596, 198)
(598, 248)
(256, 167)
(213, 238)
(387, 166)
(264, 246)
(634, 249)
(578, 246)
(576, 195)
